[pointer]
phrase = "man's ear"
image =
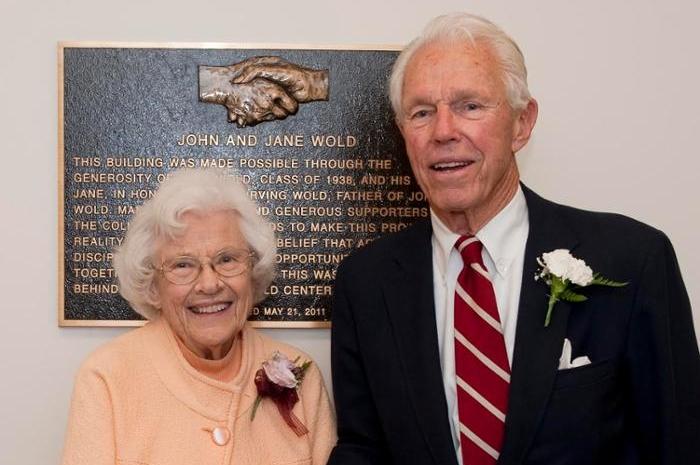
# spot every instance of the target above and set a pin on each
(524, 123)
(397, 120)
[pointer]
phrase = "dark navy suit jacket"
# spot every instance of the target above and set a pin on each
(638, 402)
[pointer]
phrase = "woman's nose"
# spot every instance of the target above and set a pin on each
(208, 280)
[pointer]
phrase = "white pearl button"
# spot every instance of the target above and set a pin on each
(220, 435)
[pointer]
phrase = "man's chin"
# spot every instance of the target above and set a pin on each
(455, 205)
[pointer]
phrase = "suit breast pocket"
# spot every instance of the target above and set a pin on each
(586, 375)
(585, 400)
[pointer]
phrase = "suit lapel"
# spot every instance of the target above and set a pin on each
(411, 309)
(537, 349)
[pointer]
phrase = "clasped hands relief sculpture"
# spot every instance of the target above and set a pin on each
(262, 88)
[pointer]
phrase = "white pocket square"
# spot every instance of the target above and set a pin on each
(565, 361)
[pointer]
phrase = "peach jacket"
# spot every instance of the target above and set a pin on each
(137, 401)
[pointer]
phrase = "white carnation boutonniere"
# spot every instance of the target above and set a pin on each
(279, 378)
(565, 275)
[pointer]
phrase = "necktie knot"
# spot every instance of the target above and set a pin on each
(469, 247)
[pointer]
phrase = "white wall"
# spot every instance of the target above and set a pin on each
(618, 130)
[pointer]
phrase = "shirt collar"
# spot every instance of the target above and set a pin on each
(496, 235)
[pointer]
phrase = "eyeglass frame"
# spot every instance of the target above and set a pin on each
(249, 260)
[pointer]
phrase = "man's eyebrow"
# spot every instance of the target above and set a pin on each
(418, 101)
(464, 95)
(456, 96)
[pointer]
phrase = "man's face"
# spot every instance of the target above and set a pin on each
(460, 131)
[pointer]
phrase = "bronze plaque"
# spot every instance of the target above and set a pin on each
(309, 130)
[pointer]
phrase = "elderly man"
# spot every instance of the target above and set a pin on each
(445, 350)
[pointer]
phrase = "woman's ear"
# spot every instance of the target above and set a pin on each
(153, 295)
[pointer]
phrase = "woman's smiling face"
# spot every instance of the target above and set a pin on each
(208, 313)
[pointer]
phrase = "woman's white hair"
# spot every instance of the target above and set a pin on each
(474, 29)
(189, 190)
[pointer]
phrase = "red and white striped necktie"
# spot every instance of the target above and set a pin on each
(481, 362)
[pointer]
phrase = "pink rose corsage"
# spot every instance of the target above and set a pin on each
(279, 379)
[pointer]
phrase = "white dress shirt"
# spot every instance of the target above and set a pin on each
(504, 239)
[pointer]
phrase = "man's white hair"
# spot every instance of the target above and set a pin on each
(189, 190)
(476, 30)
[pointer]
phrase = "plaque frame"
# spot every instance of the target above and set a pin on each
(61, 47)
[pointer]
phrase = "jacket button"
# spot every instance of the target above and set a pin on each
(220, 435)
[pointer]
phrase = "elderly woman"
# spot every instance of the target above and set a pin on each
(196, 384)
